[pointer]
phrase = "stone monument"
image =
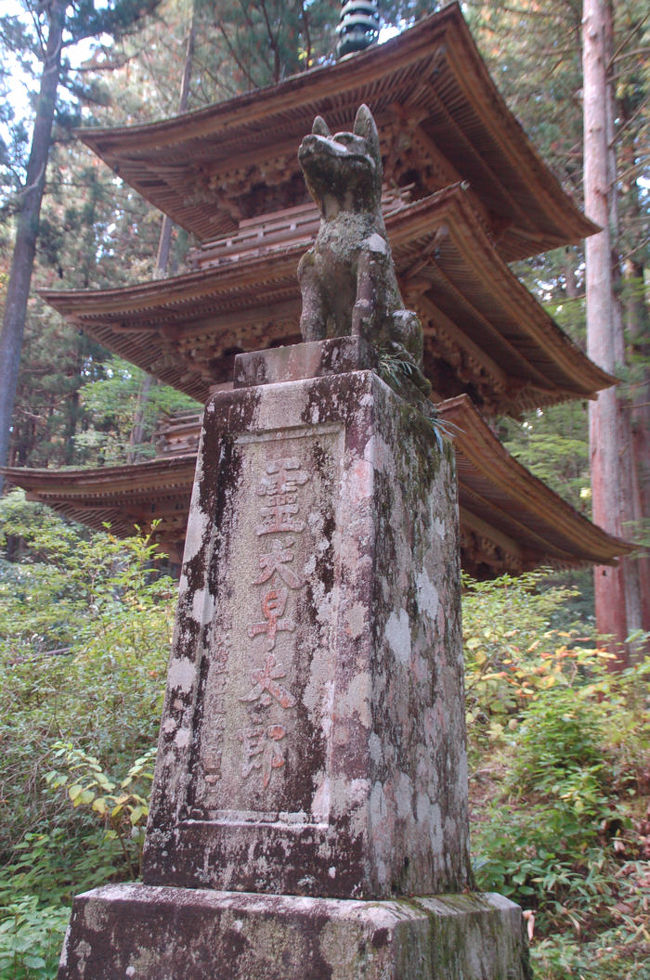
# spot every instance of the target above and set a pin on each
(309, 808)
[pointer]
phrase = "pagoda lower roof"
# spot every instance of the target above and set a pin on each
(440, 117)
(484, 333)
(126, 497)
(509, 520)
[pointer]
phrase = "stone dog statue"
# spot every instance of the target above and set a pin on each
(347, 279)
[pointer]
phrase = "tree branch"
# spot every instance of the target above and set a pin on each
(273, 42)
(231, 49)
(633, 30)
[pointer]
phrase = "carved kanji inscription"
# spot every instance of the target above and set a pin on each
(254, 729)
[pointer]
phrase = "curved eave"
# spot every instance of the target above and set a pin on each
(492, 309)
(164, 474)
(184, 330)
(520, 507)
(431, 78)
(126, 497)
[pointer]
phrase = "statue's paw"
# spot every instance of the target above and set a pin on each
(407, 331)
(306, 264)
(362, 317)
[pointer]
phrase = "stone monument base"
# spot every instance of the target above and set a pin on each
(160, 933)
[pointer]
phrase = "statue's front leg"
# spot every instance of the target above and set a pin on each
(364, 311)
(312, 318)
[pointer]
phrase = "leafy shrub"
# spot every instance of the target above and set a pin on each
(559, 752)
(559, 744)
(85, 628)
(31, 936)
(122, 806)
(52, 866)
(619, 952)
(104, 694)
(544, 857)
(510, 647)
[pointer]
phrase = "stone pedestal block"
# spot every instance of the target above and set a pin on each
(311, 767)
(149, 933)
(316, 359)
(313, 739)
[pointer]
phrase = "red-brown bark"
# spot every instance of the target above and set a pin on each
(613, 474)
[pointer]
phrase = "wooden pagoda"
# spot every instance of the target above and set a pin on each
(464, 194)
(483, 332)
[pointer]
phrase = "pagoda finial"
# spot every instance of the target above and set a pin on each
(358, 26)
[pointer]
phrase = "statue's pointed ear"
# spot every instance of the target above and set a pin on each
(364, 125)
(320, 127)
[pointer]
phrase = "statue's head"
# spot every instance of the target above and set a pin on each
(345, 166)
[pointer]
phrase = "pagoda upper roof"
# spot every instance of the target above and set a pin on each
(440, 117)
(484, 333)
(509, 520)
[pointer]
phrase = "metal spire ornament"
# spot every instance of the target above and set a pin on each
(358, 26)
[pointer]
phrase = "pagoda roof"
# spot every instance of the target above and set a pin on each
(440, 117)
(509, 520)
(127, 496)
(484, 333)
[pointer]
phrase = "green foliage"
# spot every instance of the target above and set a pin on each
(509, 645)
(85, 624)
(553, 445)
(53, 864)
(123, 805)
(73, 587)
(112, 402)
(71, 718)
(268, 40)
(559, 747)
(618, 953)
(31, 936)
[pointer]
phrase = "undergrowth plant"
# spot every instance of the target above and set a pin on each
(122, 806)
(85, 629)
(31, 935)
(559, 749)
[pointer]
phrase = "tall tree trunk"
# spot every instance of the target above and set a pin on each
(164, 247)
(570, 283)
(617, 590)
(22, 264)
(637, 334)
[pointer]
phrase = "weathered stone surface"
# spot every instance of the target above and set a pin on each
(312, 740)
(317, 359)
(148, 933)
